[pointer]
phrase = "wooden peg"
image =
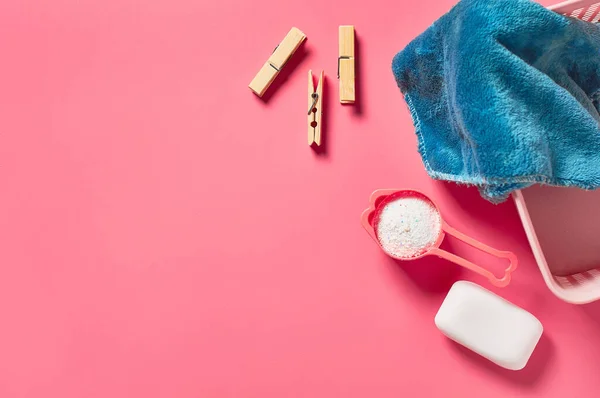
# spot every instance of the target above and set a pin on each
(315, 109)
(346, 64)
(276, 61)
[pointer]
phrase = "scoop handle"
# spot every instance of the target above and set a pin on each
(511, 257)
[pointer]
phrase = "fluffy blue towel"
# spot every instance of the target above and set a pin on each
(504, 94)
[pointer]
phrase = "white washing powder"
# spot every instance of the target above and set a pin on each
(408, 226)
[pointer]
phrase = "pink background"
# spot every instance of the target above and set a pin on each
(166, 233)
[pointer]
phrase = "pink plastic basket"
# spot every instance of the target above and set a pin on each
(586, 10)
(563, 224)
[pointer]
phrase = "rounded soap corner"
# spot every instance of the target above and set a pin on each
(461, 284)
(436, 321)
(540, 326)
(512, 362)
(441, 320)
(468, 283)
(520, 366)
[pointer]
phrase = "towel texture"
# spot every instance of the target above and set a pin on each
(505, 94)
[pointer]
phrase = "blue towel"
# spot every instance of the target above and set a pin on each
(505, 94)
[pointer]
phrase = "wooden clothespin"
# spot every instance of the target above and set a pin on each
(346, 64)
(315, 109)
(276, 61)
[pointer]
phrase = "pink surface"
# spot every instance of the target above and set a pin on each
(165, 233)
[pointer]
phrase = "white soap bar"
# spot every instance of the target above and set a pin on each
(489, 325)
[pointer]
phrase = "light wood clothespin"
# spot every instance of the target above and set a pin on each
(315, 109)
(346, 64)
(276, 61)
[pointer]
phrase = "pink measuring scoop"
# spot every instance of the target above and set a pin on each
(380, 198)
